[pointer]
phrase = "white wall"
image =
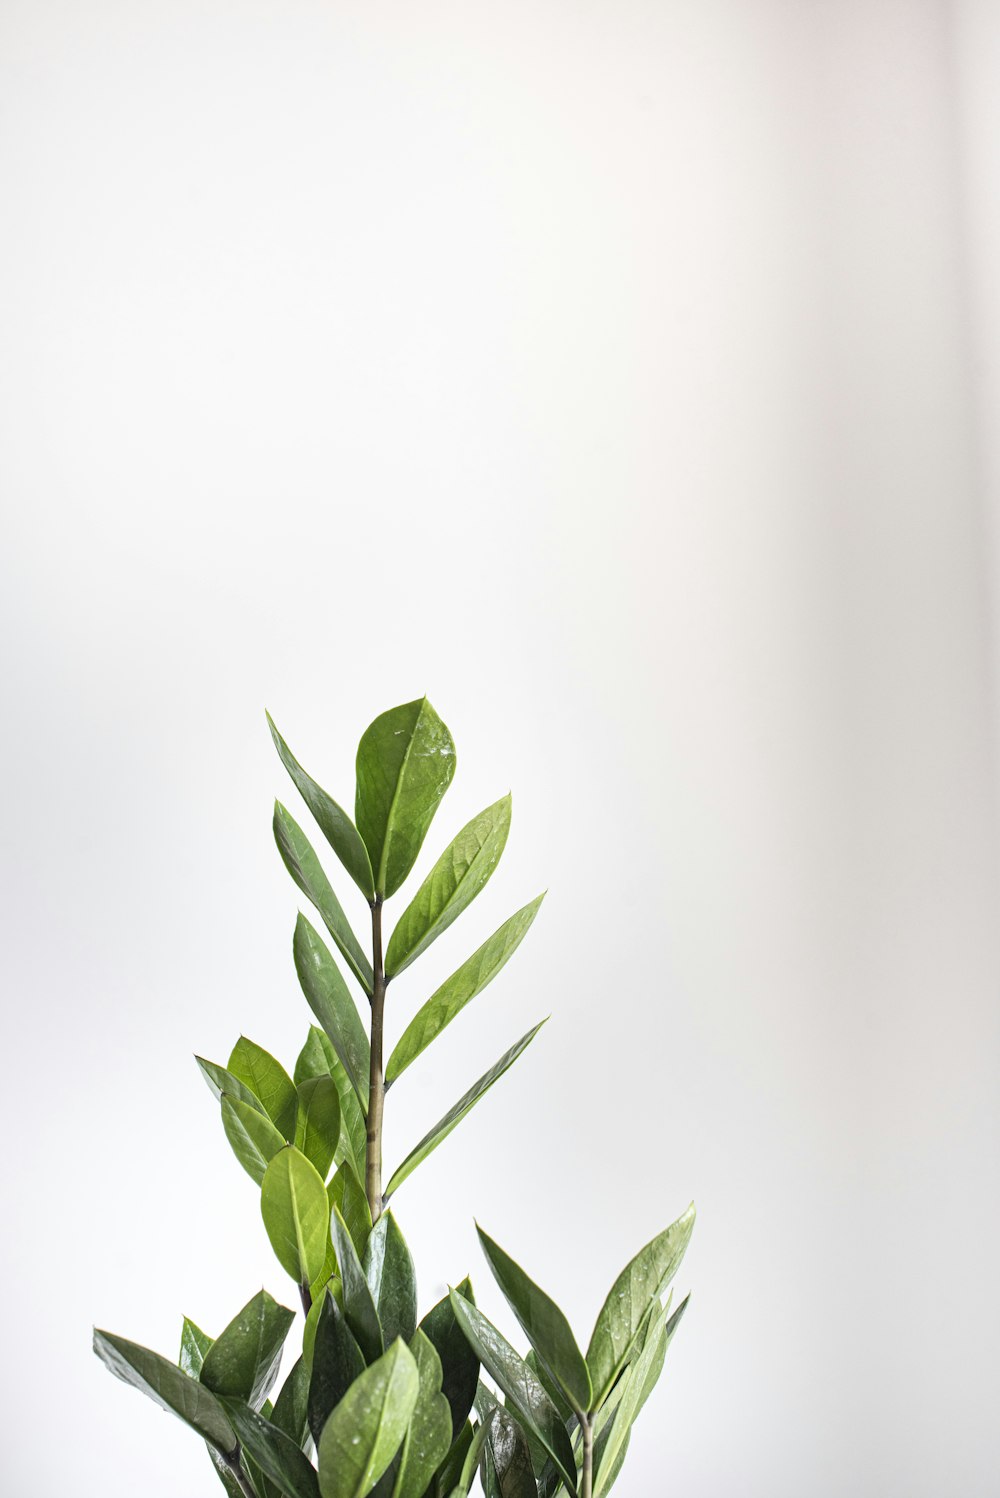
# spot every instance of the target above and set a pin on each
(620, 376)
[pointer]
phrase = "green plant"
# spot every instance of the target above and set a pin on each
(386, 1404)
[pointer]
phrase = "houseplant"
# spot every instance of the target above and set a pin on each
(377, 1402)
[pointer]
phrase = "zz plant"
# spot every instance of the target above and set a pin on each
(378, 1402)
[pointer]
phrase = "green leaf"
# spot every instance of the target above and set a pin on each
(318, 1059)
(291, 1408)
(522, 1388)
(544, 1324)
(457, 1112)
(267, 1080)
(450, 1470)
(253, 1136)
(305, 868)
(359, 1304)
(294, 1207)
(220, 1080)
(171, 1389)
(194, 1345)
(364, 1432)
(552, 1389)
(329, 999)
(336, 1363)
(455, 992)
(406, 760)
(428, 1438)
(459, 1364)
(471, 1463)
(638, 1380)
(336, 826)
(317, 1128)
(508, 1460)
(392, 1279)
(640, 1283)
(452, 884)
(275, 1453)
(243, 1360)
(346, 1193)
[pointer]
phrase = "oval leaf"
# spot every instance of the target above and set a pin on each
(317, 1128)
(392, 1279)
(305, 868)
(329, 999)
(243, 1360)
(294, 1207)
(267, 1079)
(455, 992)
(428, 1437)
(452, 884)
(336, 826)
(171, 1389)
(406, 760)
(253, 1136)
(364, 1432)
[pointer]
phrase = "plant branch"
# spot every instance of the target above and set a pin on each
(586, 1477)
(376, 1080)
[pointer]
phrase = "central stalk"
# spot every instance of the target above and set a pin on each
(376, 1081)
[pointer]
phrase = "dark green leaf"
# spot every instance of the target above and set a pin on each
(522, 1388)
(450, 1470)
(294, 1207)
(508, 1458)
(543, 1322)
(337, 827)
(220, 1080)
(291, 1408)
(471, 1462)
(243, 1360)
(317, 1129)
(305, 868)
(336, 1363)
(359, 1305)
(346, 1193)
(392, 1279)
(455, 1114)
(452, 884)
(364, 1432)
(168, 1386)
(253, 1136)
(455, 992)
(194, 1345)
(329, 999)
(459, 1364)
(552, 1389)
(406, 760)
(640, 1283)
(225, 1473)
(275, 1453)
(428, 1438)
(267, 1080)
(317, 1059)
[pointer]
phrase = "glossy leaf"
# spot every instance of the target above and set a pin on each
(220, 1080)
(318, 1059)
(640, 1283)
(463, 985)
(291, 1408)
(508, 1460)
(336, 826)
(194, 1345)
(243, 1360)
(543, 1322)
(452, 884)
(459, 1363)
(470, 1465)
(346, 1193)
(359, 1304)
(294, 1207)
(329, 999)
(305, 868)
(275, 1453)
(406, 760)
(457, 1112)
(552, 1389)
(317, 1127)
(336, 1363)
(522, 1388)
(638, 1381)
(450, 1470)
(428, 1436)
(392, 1279)
(366, 1429)
(171, 1389)
(267, 1079)
(253, 1136)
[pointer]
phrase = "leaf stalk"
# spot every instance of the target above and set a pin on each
(586, 1476)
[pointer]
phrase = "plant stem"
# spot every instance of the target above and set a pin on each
(376, 1081)
(586, 1478)
(233, 1462)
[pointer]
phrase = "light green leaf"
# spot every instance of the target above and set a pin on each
(336, 1363)
(623, 1314)
(275, 1453)
(364, 1432)
(452, 884)
(294, 1207)
(638, 1380)
(243, 1360)
(457, 1112)
(253, 1136)
(544, 1324)
(171, 1389)
(428, 1438)
(329, 999)
(317, 1128)
(267, 1080)
(459, 1364)
(522, 1388)
(194, 1345)
(392, 1279)
(305, 868)
(317, 1059)
(346, 1193)
(359, 1304)
(471, 1464)
(337, 827)
(406, 760)
(455, 992)
(220, 1080)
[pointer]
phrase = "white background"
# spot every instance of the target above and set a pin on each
(625, 377)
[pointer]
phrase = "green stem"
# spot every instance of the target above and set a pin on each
(232, 1461)
(586, 1477)
(376, 1080)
